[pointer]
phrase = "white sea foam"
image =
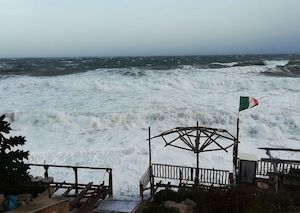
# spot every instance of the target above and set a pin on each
(231, 64)
(275, 63)
(100, 118)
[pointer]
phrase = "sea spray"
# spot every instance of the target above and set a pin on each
(99, 117)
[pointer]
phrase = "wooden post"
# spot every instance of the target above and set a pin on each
(180, 178)
(197, 170)
(150, 165)
(141, 191)
(76, 179)
(197, 141)
(46, 167)
(110, 183)
(275, 164)
(235, 151)
(149, 140)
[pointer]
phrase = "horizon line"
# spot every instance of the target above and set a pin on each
(145, 56)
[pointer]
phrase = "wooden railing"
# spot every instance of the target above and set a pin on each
(108, 189)
(211, 177)
(266, 165)
(206, 176)
(144, 181)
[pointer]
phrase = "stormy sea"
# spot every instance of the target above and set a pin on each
(94, 111)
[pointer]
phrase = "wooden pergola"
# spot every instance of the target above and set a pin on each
(197, 139)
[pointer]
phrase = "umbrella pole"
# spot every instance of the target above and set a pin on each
(197, 171)
(197, 145)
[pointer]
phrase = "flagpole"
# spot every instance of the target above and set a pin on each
(245, 103)
(236, 149)
(238, 127)
(237, 137)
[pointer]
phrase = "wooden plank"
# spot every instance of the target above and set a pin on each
(80, 195)
(67, 191)
(89, 204)
(67, 166)
(280, 160)
(280, 149)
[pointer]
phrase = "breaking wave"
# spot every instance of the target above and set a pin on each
(136, 66)
(99, 116)
(258, 125)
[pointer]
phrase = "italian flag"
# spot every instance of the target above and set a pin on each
(247, 103)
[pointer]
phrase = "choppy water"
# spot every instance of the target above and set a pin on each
(96, 111)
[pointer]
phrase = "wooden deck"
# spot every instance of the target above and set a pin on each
(176, 176)
(83, 197)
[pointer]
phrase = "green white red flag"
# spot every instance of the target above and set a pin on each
(247, 103)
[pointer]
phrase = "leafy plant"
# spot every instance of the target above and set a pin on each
(13, 171)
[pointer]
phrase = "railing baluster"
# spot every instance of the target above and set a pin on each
(208, 176)
(221, 177)
(168, 170)
(187, 173)
(160, 171)
(201, 175)
(227, 178)
(175, 172)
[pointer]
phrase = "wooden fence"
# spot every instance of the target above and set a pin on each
(206, 176)
(211, 177)
(266, 165)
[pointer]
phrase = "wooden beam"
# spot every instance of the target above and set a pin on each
(80, 195)
(189, 144)
(215, 142)
(280, 149)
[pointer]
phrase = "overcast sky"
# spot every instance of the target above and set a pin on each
(39, 28)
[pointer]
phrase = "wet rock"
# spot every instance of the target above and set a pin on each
(186, 206)
(26, 197)
(2, 201)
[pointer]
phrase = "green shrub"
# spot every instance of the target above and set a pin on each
(13, 171)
